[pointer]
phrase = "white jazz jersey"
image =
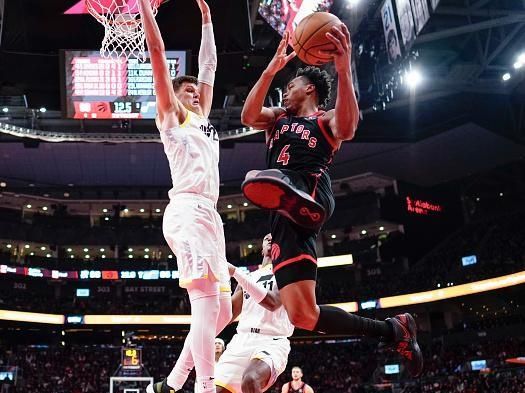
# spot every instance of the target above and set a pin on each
(254, 318)
(192, 149)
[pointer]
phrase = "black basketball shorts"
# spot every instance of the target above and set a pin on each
(294, 254)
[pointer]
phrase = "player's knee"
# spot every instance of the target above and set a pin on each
(303, 318)
(250, 383)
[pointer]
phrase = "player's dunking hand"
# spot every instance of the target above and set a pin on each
(340, 37)
(281, 58)
(205, 11)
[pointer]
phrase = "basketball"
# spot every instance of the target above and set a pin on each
(310, 37)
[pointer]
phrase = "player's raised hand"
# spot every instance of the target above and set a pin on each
(205, 11)
(231, 269)
(340, 37)
(281, 58)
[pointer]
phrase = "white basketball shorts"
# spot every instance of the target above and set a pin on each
(194, 231)
(242, 349)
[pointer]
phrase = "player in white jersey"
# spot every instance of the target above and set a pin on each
(258, 353)
(192, 226)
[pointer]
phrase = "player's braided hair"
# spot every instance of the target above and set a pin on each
(178, 81)
(320, 79)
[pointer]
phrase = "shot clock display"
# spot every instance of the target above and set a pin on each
(131, 358)
(98, 88)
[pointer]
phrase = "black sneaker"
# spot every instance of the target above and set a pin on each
(405, 334)
(160, 387)
(273, 190)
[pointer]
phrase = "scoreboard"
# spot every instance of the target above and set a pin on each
(131, 358)
(99, 88)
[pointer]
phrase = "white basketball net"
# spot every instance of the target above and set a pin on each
(124, 33)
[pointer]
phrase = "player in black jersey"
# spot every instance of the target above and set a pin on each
(302, 141)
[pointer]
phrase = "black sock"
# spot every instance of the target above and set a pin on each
(333, 320)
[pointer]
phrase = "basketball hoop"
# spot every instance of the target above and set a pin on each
(124, 33)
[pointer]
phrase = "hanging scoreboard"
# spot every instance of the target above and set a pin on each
(99, 88)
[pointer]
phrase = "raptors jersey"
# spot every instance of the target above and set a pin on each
(192, 149)
(301, 388)
(255, 318)
(301, 144)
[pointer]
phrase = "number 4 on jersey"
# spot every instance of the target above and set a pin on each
(284, 156)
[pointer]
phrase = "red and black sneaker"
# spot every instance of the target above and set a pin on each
(405, 335)
(273, 190)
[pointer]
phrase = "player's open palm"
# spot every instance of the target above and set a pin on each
(340, 37)
(281, 58)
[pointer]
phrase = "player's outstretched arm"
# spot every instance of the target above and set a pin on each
(254, 114)
(166, 100)
(268, 299)
(343, 120)
(236, 303)
(207, 59)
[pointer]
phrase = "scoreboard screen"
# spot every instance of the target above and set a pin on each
(99, 88)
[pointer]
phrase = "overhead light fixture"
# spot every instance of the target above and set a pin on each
(505, 76)
(245, 204)
(48, 255)
(130, 256)
(130, 250)
(69, 249)
(104, 210)
(5, 109)
(71, 256)
(142, 210)
(157, 210)
(126, 210)
(250, 246)
(413, 78)
(146, 249)
(86, 256)
(27, 246)
(44, 208)
(229, 206)
(334, 236)
(29, 206)
(170, 256)
(9, 246)
(32, 254)
(146, 256)
(86, 249)
(363, 232)
(103, 256)
(106, 218)
(381, 228)
(43, 109)
(3, 184)
(43, 248)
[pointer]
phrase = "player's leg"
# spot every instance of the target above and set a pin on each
(256, 377)
(295, 266)
(232, 363)
(204, 298)
(185, 363)
(266, 365)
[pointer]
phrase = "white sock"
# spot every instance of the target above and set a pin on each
(204, 315)
(180, 372)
